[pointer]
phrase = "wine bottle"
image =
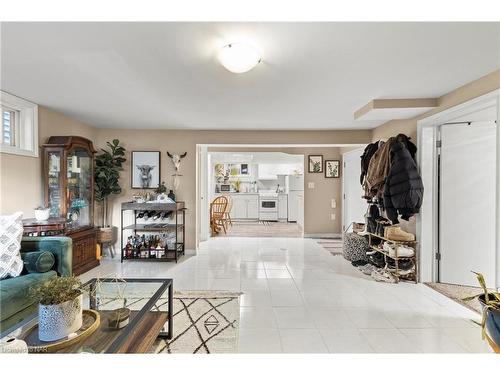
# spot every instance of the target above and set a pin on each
(140, 215)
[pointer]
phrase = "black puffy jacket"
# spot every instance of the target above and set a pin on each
(404, 189)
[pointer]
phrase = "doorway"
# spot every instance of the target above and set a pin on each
(459, 224)
(467, 172)
(354, 206)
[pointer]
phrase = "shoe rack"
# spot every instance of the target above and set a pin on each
(396, 272)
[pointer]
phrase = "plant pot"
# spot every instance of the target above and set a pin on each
(42, 215)
(58, 321)
(492, 321)
(105, 235)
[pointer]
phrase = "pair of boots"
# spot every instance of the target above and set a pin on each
(395, 233)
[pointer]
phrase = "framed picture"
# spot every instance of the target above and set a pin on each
(315, 163)
(145, 169)
(332, 168)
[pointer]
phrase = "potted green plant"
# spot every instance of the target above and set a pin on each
(490, 303)
(108, 165)
(59, 307)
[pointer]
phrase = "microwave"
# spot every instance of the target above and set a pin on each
(225, 188)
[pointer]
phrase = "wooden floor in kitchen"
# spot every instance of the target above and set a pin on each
(262, 229)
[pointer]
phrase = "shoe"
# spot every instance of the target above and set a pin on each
(389, 248)
(367, 269)
(395, 233)
(359, 263)
(377, 260)
(403, 264)
(404, 251)
(384, 276)
(402, 272)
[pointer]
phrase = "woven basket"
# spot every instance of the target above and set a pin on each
(105, 235)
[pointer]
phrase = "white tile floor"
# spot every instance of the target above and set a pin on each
(300, 299)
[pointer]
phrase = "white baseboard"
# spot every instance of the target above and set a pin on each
(323, 235)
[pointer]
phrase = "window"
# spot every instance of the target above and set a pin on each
(9, 124)
(19, 129)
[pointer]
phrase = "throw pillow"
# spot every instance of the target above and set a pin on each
(11, 232)
(38, 261)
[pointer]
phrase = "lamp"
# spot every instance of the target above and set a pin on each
(239, 57)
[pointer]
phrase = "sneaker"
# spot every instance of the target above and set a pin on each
(389, 248)
(395, 233)
(405, 251)
(384, 276)
(367, 269)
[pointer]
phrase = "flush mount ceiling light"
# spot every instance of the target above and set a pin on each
(239, 57)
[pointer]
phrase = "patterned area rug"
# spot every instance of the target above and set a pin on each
(457, 293)
(204, 322)
(332, 245)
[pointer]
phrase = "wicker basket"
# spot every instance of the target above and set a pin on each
(105, 235)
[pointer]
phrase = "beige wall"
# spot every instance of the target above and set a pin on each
(467, 92)
(21, 176)
(177, 141)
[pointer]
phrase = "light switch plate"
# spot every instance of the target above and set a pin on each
(310, 185)
(334, 203)
(332, 216)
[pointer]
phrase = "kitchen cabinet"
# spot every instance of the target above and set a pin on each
(245, 206)
(283, 207)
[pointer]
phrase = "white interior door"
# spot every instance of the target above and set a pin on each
(354, 206)
(467, 202)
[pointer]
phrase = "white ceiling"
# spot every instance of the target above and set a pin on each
(165, 75)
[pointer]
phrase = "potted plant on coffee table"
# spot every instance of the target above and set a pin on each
(108, 165)
(59, 307)
(490, 303)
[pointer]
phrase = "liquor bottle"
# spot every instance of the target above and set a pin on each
(128, 248)
(157, 215)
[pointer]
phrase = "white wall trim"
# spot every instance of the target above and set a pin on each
(26, 126)
(427, 225)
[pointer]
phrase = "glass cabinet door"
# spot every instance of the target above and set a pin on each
(79, 188)
(54, 183)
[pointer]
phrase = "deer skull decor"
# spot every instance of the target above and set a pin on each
(176, 159)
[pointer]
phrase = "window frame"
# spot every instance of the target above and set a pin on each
(25, 127)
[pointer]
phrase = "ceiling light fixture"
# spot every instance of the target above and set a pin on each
(239, 57)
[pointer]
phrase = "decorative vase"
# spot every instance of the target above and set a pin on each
(492, 321)
(42, 214)
(171, 195)
(58, 321)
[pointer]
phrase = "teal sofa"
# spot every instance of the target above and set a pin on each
(15, 301)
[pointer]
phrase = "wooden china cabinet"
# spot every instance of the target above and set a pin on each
(69, 193)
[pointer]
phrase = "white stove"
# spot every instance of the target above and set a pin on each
(268, 206)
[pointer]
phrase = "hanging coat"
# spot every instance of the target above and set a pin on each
(377, 170)
(404, 189)
(365, 159)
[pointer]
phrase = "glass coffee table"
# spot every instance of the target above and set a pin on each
(151, 316)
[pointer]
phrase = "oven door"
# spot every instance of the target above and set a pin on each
(268, 205)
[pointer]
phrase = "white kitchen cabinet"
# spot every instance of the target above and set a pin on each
(252, 206)
(283, 207)
(239, 207)
(245, 206)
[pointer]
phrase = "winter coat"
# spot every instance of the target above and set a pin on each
(408, 144)
(378, 169)
(404, 189)
(365, 159)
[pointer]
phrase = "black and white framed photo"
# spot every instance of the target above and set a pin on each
(332, 168)
(145, 169)
(315, 163)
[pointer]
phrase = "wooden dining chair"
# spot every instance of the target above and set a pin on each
(227, 214)
(217, 210)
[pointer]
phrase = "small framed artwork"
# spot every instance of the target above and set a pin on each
(315, 163)
(332, 168)
(145, 169)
